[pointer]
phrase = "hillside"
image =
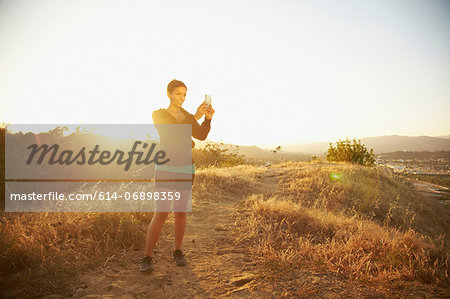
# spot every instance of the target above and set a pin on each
(293, 229)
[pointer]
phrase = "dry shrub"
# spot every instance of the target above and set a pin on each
(218, 155)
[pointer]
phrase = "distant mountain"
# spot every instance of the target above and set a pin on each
(381, 144)
(394, 143)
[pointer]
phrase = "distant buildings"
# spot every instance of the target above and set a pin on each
(416, 166)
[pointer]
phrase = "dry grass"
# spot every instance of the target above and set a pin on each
(230, 183)
(38, 249)
(287, 233)
(361, 222)
(371, 193)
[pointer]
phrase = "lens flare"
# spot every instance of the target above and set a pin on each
(334, 176)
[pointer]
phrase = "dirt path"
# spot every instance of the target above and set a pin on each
(213, 262)
(217, 267)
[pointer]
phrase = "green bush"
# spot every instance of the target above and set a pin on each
(346, 151)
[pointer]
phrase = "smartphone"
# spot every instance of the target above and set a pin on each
(207, 100)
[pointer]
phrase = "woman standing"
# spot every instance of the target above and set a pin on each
(175, 114)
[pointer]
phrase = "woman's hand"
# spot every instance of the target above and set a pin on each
(201, 110)
(209, 112)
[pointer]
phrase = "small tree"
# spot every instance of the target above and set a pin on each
(275, 150)
(355, 152)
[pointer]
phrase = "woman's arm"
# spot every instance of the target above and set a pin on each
(200, 132)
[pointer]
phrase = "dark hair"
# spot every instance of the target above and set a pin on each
(174, 84)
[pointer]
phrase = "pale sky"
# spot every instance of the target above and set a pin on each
(279, 72)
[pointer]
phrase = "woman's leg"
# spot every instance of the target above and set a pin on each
(180, 227)
(154, 230)
(180, 208)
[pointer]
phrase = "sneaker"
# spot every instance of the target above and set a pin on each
(179, 258)
(146, 264)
